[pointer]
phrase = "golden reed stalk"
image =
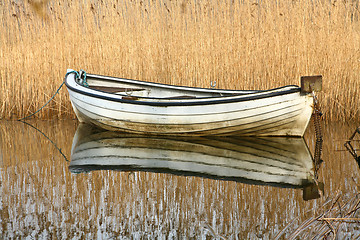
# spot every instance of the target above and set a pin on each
(240, 44)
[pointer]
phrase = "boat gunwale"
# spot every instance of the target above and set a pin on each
(77, 169)
(185, 88)
(241, 97)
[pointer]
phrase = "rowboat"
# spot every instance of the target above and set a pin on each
(280, 161)
(158, 109)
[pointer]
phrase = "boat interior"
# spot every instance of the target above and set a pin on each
(133, 89)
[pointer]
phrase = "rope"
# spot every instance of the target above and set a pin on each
(57, 91)
(82, 78)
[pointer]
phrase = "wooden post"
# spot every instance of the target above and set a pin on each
(311, 83)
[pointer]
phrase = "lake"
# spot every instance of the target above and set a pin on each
(64, 180)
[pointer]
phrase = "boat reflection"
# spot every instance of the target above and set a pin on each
(282, 162)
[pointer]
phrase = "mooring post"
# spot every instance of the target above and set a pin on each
(311, 84)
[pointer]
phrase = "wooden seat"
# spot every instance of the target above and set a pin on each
(116, 89)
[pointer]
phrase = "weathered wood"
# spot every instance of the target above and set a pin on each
(116, 89)
(311, 83)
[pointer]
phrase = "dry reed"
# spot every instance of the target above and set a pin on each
(335, 218)
(240, 44)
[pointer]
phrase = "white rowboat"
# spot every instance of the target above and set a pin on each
(159, 109)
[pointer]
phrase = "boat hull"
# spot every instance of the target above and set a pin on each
(270, 113)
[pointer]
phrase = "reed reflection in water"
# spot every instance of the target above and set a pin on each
(41, 198)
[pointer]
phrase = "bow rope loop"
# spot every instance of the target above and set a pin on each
(81, 76)
(77, 75)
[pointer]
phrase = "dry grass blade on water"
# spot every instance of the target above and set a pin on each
(240, 45)
(329, 220)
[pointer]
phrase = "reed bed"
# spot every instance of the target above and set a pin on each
(240, 44)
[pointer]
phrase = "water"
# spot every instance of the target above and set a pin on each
(113, 186)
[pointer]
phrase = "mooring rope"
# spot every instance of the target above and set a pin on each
(82, 78)
(77, 74)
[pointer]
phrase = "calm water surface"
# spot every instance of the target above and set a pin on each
(116, 186)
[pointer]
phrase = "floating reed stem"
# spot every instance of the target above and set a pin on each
(328, 221)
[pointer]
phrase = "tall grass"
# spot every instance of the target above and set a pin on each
(240, 44)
